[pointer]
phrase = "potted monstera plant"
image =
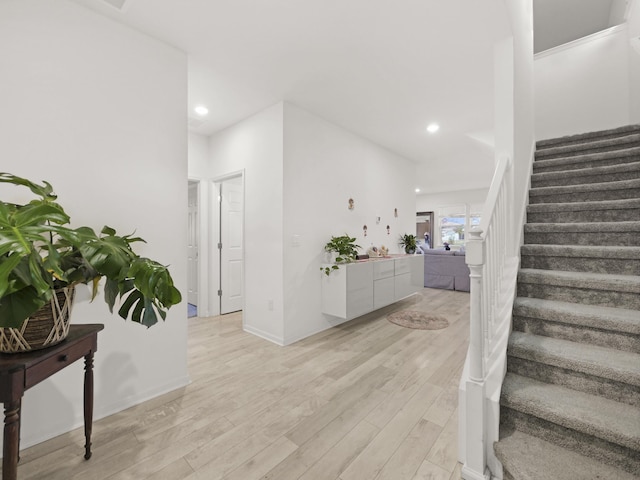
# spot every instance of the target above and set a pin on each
(42, 259)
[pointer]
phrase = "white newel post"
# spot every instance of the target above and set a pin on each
(475, 466)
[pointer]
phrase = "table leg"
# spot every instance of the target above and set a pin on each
(11, 449)
(88, 403)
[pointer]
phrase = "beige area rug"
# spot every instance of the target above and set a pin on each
(418, 320)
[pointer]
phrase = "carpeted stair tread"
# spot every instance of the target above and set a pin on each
(582, 227)
(625, 155)
(620, 189)
(587, 175)
(599, 417)
(623, 141)
(593, 316)
(588, 136)
(593, 281)
(584, 251)
(584, 233)
(526, 457)
(624, 260)
(596, 361)
(597, 205)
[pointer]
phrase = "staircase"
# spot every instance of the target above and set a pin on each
(570, 404)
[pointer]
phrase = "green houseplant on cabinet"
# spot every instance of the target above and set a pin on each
(408, 242)
(42, 259)
(345, 249)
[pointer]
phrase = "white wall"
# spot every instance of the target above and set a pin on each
(583, 86)
(255, 147)
(198, 158)
(100, 111)
(522, 116)
(324, 166)
(633, 31)
(430, 202)
(198, 170)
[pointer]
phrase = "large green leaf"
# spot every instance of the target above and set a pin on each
(45, 191)
(20, 305)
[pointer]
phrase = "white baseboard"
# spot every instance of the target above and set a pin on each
(103, 411)
(267, 336)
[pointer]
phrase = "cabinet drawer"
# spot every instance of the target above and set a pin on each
(383, 269)
(403, 265)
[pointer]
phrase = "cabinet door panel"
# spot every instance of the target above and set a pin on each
(383, 292)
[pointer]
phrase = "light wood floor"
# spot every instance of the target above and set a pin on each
(366, 400)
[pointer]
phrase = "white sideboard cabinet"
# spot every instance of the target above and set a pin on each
(361, 287)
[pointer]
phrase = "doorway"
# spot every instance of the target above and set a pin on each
(193, 249)
(231, 244)
(424, 228)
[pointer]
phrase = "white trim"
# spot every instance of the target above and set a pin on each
(104, 411)
(264, 335)
(580, 41)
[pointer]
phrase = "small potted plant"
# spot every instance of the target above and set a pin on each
(408, 242)
(344, 248)
(42, 259)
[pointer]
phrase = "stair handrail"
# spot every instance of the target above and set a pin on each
(491, 267)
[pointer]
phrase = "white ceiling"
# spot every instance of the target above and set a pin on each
(383, 69)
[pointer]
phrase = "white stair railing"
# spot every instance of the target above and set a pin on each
(493, 271)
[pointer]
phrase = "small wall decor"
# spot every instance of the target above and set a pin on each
(388, 229)
(377, 220)
(351, 204)
(364, 229)
(395, 212)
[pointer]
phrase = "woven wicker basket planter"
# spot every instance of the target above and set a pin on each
(45, 328)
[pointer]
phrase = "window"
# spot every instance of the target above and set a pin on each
(454, 221)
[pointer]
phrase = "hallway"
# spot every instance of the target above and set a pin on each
(365, 400)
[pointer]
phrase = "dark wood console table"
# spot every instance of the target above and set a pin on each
(21, 371)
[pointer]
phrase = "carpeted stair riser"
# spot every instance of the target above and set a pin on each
(521, 456)
(588, 137)
(605, 298)
(602, 450)
(618, 291)
(614, 260)
(595, 146)
(624, 341)
(618, 391)
(606, 327)
(613, 173)
(613, 233)
(622, 190)
(618, 157)
(580, 212)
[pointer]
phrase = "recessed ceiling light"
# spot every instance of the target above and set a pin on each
(417, 190)
(201, 110)
(433, 128)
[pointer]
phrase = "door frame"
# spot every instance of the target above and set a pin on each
(214, 236)
(203, 242)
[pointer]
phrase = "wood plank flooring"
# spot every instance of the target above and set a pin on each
(368, 400)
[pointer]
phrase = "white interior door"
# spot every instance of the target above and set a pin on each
(231, 252)
(192, 245)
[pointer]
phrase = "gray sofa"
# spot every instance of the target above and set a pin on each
(446, 269)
